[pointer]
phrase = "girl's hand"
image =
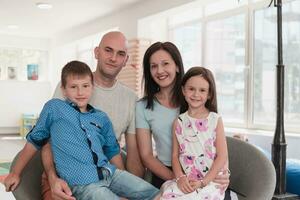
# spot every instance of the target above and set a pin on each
(184, 185)
(11, 182)
(197, 184)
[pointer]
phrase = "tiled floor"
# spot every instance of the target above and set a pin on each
(10, 146)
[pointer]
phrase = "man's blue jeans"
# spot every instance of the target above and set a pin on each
(120, 184)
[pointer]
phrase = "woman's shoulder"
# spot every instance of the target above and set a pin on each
(141, 102)
(141, 105)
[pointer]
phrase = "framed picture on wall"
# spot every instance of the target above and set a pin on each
(32, 72)
(11, 73)
(1, 73)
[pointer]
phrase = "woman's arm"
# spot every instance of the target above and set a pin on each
(133, 161)
(146, 152)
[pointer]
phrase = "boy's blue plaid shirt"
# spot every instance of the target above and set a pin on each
(69, 131)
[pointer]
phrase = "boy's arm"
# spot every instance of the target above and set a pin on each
(13, 179)
(59, 188)
(36, 138)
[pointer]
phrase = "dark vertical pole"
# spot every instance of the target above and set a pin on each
(279, 143)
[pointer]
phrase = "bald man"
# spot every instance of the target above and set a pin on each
(110, 96)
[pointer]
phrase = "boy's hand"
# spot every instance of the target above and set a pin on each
(61, 191)
(184, 185)
(11, 182)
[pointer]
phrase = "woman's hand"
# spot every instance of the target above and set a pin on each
(223, 179)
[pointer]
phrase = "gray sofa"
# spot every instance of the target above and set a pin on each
(252, 174)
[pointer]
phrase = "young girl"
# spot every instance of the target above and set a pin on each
(199, 145)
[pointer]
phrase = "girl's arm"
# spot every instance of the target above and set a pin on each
(181, 179)
(144, 142)
(221, 153)
(12, 180)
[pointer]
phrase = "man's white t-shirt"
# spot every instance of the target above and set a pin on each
(118, 102)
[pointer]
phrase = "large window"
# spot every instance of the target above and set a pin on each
(225, 56)
(188, 40)
(237, 40)
(265, 60)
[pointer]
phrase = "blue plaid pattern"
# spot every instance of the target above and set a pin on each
(81, 142)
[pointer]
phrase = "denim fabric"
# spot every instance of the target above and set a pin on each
(120, 184)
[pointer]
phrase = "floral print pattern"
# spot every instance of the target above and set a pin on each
(197, 151)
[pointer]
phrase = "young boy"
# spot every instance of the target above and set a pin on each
(85, 150)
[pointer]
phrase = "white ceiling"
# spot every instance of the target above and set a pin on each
(65, 14)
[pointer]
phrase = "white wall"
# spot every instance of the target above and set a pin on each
(19, 97)
(126, 20)
(24, 42)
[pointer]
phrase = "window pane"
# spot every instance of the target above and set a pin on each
(189, 14)
(223, 5)
(188, 40)
(225, 55)
(264, 66)
(265, 60)
(291, 59)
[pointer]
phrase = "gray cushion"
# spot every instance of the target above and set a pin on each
(30, 185)
(252, 173)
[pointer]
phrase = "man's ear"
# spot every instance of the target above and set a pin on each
(96, 51)
(125, 61)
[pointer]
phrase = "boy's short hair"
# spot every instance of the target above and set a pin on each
(75, 68)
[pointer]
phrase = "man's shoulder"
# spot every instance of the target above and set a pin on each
(121, 86)
(124, 93)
